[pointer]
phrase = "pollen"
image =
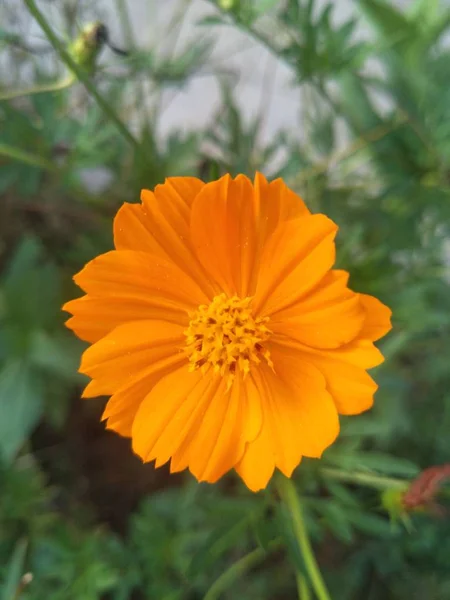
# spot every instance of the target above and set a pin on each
(226, 336)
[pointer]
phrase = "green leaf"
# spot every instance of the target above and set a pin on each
(387, 20)
(6, 36)
(424, 10)
(24, 258)
(362, 427)
(8, 176)
(221, 540)
(57, 355)
(20, 406)
(374, 461)
(372, 525)
(337, 520)
(212, 20)
(263, 6)
(342, 493)
(32, 288)
(14, 572)
(322, 133)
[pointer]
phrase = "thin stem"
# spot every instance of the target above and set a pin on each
(237, 569)
(124, 18)
(372, 480)
(302, 587)
(172, 36)
(290, 497)
(129, 37)
(26, 157)
(54, 86)
(340, 155)
(81, 74)
(334, 104)
(43, 163)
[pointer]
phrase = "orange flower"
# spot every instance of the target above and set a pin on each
(220, 331)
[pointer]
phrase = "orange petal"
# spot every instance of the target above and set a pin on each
(249, 399)
(223, 230)
(328, 317)
(351, 387)
(275, 204)
(194, 419)
(231, 222)
(175, 403)
(160, 225)
(133, 225)
(361, 353)
(258, 463)
(136, 388)
(128, 286)
(295, 259)
(122, 423)
(228, 424)
(378, 318)
(124, 404)
(131, 351)
(300, 418)
(344, 369)
(132, 231)
(305, 408)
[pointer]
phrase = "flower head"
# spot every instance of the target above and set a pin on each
(221, 332)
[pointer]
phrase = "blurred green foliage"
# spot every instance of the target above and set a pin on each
(77, 510)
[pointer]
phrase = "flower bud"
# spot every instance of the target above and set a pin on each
(87, 46)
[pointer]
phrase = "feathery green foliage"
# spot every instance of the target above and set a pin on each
(371, 149)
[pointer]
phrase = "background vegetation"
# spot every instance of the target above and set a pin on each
(77, 510)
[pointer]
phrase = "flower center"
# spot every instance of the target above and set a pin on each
(226, 336)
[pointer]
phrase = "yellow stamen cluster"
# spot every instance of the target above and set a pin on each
(226, 336)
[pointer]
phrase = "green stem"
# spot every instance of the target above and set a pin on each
(125, 20)
(290, 497)
(80, 74)
(129, 37)
(366, 479)
(26, 157)
(54, 86)
(361, 143)
(237, 569)
(302, 587)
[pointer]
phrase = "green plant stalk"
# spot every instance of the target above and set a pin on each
(129, 37)
(366, 479)
(43, 163)
(26, 157)
(289, 496)
(54, 86)
(237, 569)
(81, 75)
(361, 143)
(124, 18)
(302, 588)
